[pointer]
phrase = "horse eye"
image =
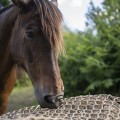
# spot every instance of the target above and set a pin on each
(30, 34)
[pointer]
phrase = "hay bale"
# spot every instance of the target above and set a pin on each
(89, 107)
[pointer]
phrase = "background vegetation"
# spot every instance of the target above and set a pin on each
(4, 2)
(92, 65)
(93, 57)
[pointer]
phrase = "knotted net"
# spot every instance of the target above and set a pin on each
(89, 107)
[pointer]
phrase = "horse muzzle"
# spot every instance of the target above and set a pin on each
(49, 96)
(50, 101)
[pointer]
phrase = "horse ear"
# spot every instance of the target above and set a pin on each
(55, 2)
(21, 3)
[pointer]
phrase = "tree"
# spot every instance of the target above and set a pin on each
(105, 21)
(93, 57)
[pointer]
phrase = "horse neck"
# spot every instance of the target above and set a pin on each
(7, 20)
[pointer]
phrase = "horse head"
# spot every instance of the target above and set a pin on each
(36, 41)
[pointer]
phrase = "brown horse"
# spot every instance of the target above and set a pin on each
(30, 36)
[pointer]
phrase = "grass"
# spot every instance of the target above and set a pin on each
(21, 97)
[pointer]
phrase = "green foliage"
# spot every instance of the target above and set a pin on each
(4, 2)
(23, 80)
(83, 64)
(107, 23)
(93, 57)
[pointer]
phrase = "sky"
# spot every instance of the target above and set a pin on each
(74, 12)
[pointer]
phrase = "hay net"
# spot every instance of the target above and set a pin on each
(89, 107)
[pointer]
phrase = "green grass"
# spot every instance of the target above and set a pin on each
(21, 97)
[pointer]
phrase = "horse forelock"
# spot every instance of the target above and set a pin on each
(51, 20)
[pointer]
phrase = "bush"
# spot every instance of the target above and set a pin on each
(84, 70)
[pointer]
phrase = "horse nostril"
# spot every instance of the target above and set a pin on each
(49, 99)
(54, 101)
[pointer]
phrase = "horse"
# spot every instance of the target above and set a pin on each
(31, 37)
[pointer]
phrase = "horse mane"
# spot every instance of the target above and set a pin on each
(51, 19)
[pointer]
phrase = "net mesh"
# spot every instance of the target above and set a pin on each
(89, 107)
